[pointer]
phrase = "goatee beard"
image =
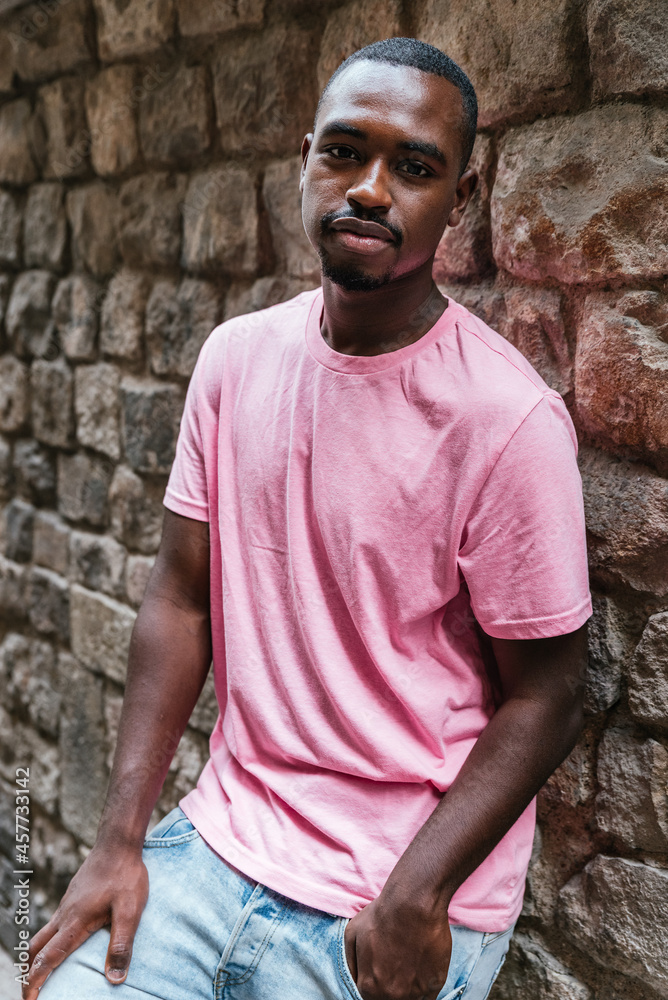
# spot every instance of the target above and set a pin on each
(350, 277)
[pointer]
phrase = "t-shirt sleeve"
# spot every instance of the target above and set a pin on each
(523, 554)
(187, 491)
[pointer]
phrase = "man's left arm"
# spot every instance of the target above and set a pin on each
(398, 946)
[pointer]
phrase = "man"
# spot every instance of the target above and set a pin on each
(374, 523)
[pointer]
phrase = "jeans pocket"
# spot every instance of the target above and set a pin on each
(173, 829)
(344, 970)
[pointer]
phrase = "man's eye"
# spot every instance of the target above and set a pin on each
(415, 169)
(342, 152)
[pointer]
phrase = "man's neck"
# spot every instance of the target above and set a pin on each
(380, 321)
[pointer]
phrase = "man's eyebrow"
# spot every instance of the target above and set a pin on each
(415, 145)
(426, 148)
(335, 128)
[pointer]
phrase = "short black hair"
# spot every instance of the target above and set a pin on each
(420, 55)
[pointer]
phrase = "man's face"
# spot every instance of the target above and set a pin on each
(380, 176)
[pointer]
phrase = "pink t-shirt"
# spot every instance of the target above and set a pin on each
(364, 512)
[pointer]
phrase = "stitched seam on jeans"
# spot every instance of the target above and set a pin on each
(494, 936)
(472, 970)
(183, 838)
(496, 975)
(221, 976)
(276, 919)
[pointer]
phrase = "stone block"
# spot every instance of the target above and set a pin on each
(113, 706)
(19, 518)
(632, 803)
(150, 219)
(136, 510)
(626, 509)
(150, 421)
(137, 571)
(50, 38)
(352, 27)
(132, 28)
(96, 407)
(567, 206)
(190, 757)
(45, 227)
(100, 629)
(75, 308)
(54, 851)
(84, 776)
(12, 590)
(534, 324)
(215, 18)
(14, 394)
(5, 285)
(616, 911)
(265, 90)
(175, 120)
(627, 47)
(26, 748)
(122, 324)
(178, 321)
(61, 107)
(10, 229)
(620, 373)
(609, 648)
(465, 251)
(51, 542)
(244, 298)
(7, 65)
(206, 711)
(110, 106)
(220, 221)
(524, 59)
(28, 320)
(6, 471)
(32, 680)
(92, 211)
(47, 595)
(51, 400)
(17, 153)
(532, 971)
(573, 784)
(83, 488)
(35, 472)
(98, 563)
(648, 678)
(485, 300)
(294, 254)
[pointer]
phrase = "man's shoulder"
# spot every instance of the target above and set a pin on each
(492, 358)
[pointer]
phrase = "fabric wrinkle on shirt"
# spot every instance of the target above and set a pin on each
(365, 513)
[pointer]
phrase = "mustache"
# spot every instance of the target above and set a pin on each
(367, 217)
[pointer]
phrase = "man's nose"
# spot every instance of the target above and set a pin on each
(371, 188)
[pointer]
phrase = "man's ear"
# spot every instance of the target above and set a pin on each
(306, 145)
(466, 185)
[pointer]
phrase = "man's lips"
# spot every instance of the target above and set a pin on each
(361, 228)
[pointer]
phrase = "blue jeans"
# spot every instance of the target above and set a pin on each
(210, 933)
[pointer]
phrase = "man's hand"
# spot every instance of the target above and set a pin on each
(111, 887)
(399, 951)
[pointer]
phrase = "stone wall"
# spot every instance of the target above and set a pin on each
(148, 189)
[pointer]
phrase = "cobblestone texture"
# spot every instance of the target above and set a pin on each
(149, 164)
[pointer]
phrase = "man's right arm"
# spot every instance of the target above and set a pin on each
(170, 656)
